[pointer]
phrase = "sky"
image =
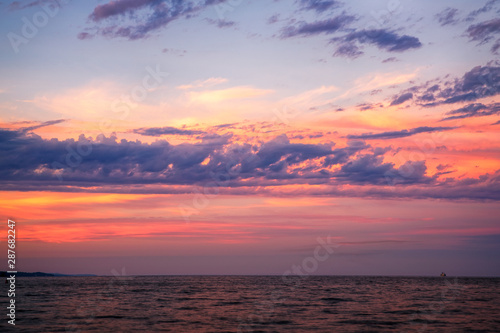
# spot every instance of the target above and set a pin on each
(242, 137)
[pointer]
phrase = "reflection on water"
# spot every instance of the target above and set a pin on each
(256, 304)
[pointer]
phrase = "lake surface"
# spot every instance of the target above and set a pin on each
(255, 304)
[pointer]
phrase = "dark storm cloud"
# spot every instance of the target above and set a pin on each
(318, 27)
(399, 134)
(142, 16)
(158, 131)
(474, 110)
(383, 39)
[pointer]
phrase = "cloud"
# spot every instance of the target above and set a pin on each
(347, 45)
(479, 82)
(215, 96)
(401, 99)
(278, 152)
(342, 155)
(370, 169)
(495, 47)
(105, 161)
(399, 134)
(272, 167)
(486, 8)
(382, 39)
(474, 110)
(221, 23)
(119, 7)
(447, 16)
(319, 5)
(44, 124)
(158, 131)
(484, 32)
(19, 5)
(368, 106)
(318, 27)
(390, 59)
(138, 18)
(205, 83)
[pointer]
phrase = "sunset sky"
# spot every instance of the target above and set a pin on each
(226, 137)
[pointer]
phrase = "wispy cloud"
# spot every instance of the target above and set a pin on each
(318, 27)
(447, 17)
(385, 40)
(203, 83)
(484, 32)
(234, 93)
(139, 18)
(319, 5)
(158, 131)
(44, 124)
(399, 134)
(474, 110)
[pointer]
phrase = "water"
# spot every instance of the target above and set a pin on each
(255, 304)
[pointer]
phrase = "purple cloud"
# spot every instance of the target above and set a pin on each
(447, 16)
(474, 110)
(319, 5)
(486, 8)
(382, 39)
(119, 7)
(484, 32)
(106, 164)
(479, 82)
(158, 131)
(221, 23)
(19, 5)
(401, 99)
(140, 17)
(399, 134)
(326, 26)
(370, 169)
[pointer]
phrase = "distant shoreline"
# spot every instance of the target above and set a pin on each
(40, 274)
(43, 274)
